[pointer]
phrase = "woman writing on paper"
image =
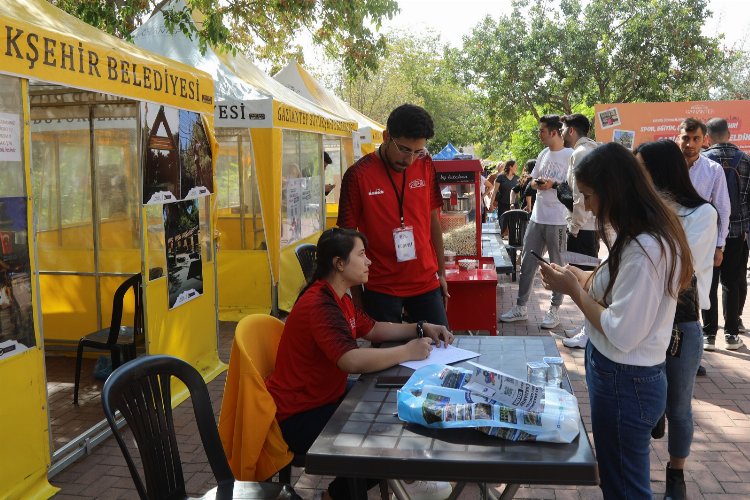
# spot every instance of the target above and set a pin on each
(318, 348)
(629, 304)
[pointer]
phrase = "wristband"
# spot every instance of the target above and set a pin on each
(420, 329)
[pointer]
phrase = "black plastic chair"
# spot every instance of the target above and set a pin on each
(141, 391)
(306, 257)
(516, 220)
(120, 341)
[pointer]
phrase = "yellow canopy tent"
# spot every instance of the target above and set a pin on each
(258, 275)
(369, 133)
(51, 59)
(366, 138)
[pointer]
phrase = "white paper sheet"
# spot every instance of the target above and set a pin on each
(442, 356)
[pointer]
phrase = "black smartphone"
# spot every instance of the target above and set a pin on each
(539, 257)
(391, 380)
(539, 181)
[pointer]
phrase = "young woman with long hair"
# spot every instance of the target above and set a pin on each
(629, 303)
(318, 348)
(666, 164)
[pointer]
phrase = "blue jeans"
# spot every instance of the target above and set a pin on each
(680, 384)
(626, 402)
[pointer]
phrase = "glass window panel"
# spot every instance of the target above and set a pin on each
(61, 173)
(334, 171)
(117, 184)
(302, 186)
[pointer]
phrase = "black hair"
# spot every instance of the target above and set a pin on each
(717, 127)
(666, 164)
(551, 122)
(509, 165)
(629, 202)
(577, 121)
(327, 158)
(410, 121)
(529, 166)
(692, 124)
(334, 242)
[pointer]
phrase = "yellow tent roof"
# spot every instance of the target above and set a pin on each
(239, 80)
(299, 80)
(44, 43)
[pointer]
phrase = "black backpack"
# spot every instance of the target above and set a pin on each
(732, 177)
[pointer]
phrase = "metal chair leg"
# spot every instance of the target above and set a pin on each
(79, 358)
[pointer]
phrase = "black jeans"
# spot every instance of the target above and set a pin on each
(586, 243)
(731, 275)
(428, 307)
(301, 430)
(743, 285)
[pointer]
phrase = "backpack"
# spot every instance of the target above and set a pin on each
(732, 177)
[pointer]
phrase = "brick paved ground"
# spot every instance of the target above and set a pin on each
(718, 468)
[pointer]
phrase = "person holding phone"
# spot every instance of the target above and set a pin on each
(318, 348)
(546, 228)
(669, 172)
(629, 303)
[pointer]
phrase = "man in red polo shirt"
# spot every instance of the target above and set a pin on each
(392, 196)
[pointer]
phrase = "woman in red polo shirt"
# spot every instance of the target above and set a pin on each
(318, 348)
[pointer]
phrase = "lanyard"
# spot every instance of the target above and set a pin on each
(400, 197)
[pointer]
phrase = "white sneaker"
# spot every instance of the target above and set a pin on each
(551, 319)
(578, 342)
(572, 332)
(426, 490)
(516, 313)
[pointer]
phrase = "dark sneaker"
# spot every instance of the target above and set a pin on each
(709, 343)
(701, 371)
(734, 342)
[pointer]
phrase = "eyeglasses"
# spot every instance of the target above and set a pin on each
(419, 153)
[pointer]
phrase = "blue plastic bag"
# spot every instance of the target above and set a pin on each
(442, 396)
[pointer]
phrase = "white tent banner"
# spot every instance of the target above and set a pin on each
(256, 113)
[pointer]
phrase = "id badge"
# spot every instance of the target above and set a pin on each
(403, 239)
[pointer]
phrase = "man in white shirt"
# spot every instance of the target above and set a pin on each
(546, 229)
(708, 179)
(582, 236)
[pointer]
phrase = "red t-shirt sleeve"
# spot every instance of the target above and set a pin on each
(350, 204)
(364, 323)
(331, 331)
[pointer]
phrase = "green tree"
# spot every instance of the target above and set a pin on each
(734, 84)
(266, 29)
(550, 56)
(416, 69)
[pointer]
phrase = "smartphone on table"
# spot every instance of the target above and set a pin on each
(391, 381)
(539, 257)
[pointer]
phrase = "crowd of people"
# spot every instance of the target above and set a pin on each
(673, 216)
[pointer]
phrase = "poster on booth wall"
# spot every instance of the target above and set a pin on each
(161, 165)
(16, 314)
(184, 261)
(10, 137)
(196, 175)
(631, 124)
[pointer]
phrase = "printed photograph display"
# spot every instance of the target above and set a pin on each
(609, 118)
(161, 165)
(196, 178)
(183, 248)
(624, 137)
(16, 315)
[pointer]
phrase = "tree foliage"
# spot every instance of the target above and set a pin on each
(548, 56)
(416, 69)
(265, 29)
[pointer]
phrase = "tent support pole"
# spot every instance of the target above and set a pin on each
(275, 300)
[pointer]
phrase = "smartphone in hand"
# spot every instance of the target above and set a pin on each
(539, 257)
(539, 180)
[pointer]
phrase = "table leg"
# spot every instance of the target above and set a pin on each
(508, 492)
